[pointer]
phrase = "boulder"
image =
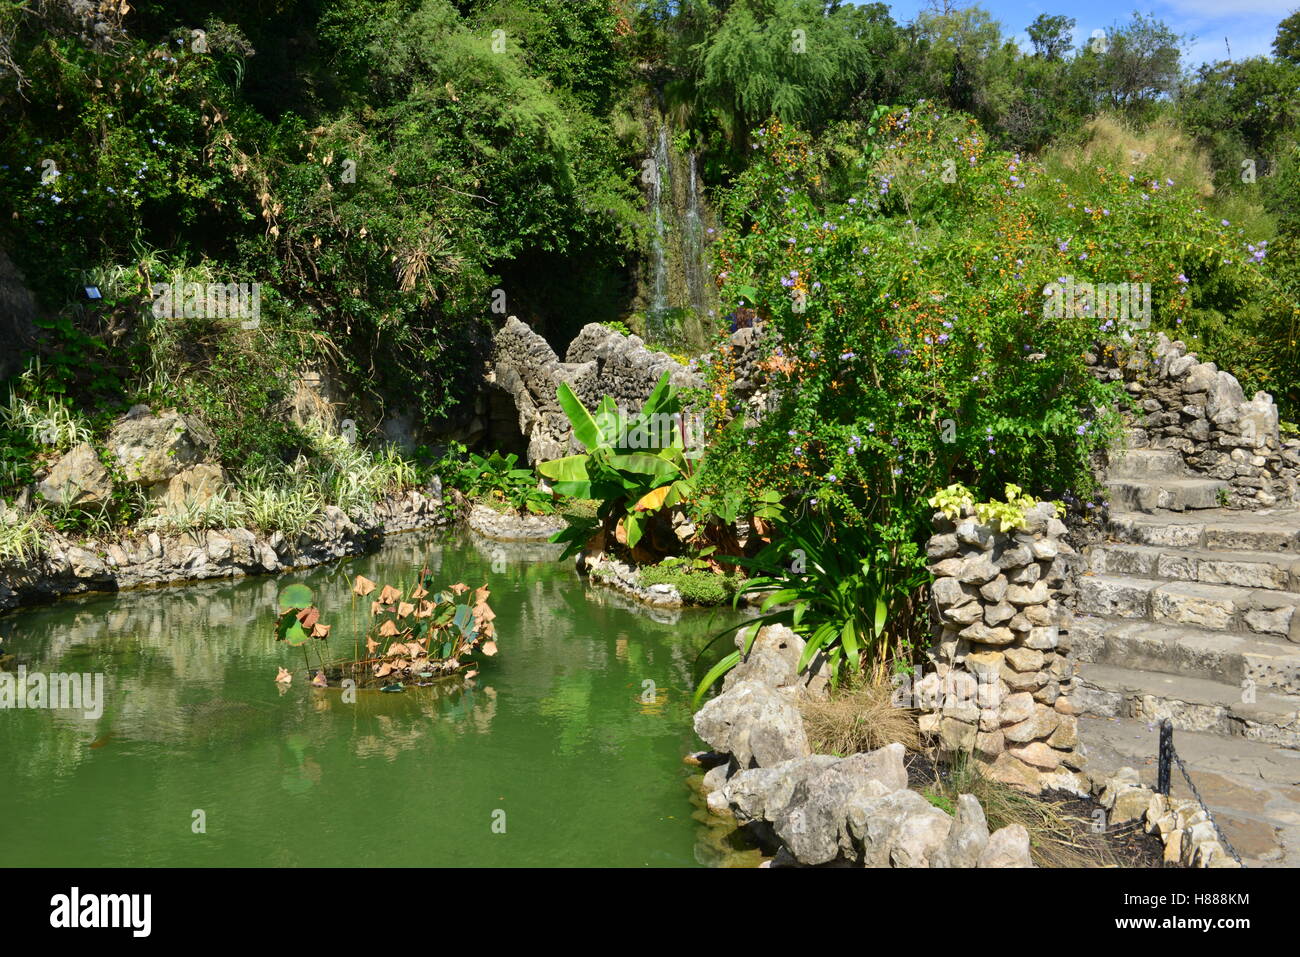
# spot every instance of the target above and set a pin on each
(901, 829)
(154, 448)
(78, 479)
(773, 660)
(757, 725)
(759, 793)
(967, 837)
(1007, 847)
(814, 824)
(194, 486)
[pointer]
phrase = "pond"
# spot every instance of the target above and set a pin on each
(555, 755)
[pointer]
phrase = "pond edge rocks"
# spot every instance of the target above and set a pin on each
(511, 527)
(144, 558)
(820, 809)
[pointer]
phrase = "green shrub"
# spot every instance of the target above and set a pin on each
(909, 332)
(694, 581)
(844, 589)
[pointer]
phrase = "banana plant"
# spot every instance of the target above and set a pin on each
(633, 465)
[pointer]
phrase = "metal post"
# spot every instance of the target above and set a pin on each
(1166, 756)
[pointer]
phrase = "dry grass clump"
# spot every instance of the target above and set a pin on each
(860, 716)
(1158, 150)
(1057, 838)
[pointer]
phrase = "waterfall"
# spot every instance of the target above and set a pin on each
(675, 290)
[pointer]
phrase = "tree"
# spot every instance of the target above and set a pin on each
(1051, 35)
(1137, 65)
(785, 57)
(1286, 45)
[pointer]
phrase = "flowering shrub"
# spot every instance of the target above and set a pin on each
(915, 328)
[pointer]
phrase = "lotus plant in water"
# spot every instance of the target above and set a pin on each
(413, 636)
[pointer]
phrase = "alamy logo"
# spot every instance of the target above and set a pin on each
(1130, 301)
(76, 692)
(213, 300)
(102, 910)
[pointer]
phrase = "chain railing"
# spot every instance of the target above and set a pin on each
(1168, 758)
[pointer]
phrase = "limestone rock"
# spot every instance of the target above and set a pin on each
(196, 485)
(154, 448)
(758, 794)
(78, 479)
(1007, 847)
(755, 724)
(967, 837)
(773, 660)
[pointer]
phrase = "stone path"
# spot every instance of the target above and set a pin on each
(1188, 612)
(1253, 790)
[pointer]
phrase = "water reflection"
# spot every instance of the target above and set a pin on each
(577, 727)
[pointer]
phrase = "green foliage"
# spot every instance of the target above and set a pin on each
(635, 465)
(912, 335)
(954, 500)
(20, 535)
(694, 578)
(499, 479)
(53, 425)
(790, 58)
(846, 590)
(377, 186)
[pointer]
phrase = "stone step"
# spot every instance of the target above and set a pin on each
(1250, 788)
(1174, 494)
(1226, 608)
(1270, 530)
(1249, 569)
(1145, 464)
(1192, 704)
(1269, 663)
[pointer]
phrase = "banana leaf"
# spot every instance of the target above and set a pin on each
(585, 429)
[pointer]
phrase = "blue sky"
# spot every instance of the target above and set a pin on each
(1249, 25)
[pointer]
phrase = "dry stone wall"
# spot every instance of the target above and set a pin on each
(1200, 411)
(1000, 676)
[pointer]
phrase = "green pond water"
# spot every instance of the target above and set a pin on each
(553, 739)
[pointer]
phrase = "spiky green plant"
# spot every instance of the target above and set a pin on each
(194, 514)
(841, 589)
(21, 534)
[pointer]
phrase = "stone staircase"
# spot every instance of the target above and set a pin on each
(1149, 480)
(1188, 611)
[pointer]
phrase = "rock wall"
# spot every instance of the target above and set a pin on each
(68, 567)
(1000, 676)
(1200, 411)
(599, 362)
